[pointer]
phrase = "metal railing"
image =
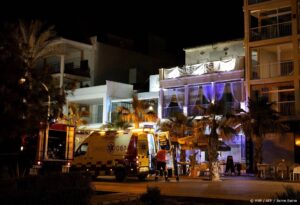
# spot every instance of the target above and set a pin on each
(194, 111)
(228, 107)
(271, 31)
(168, 112)
(286, 108)
(74, 66)
(270, 70)
(256, 1)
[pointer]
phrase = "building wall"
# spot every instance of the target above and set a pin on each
(266, 58)
(100, 97)
(275, 48)
(214, 52)
(284, 146)
(114, 63)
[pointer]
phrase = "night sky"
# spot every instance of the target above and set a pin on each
(183, 25)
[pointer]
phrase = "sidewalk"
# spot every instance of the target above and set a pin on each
(243, 188)
(114, 198)
(234, 188)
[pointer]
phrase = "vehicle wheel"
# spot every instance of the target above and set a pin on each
(142, 177)
(94, 177)
(120, 174)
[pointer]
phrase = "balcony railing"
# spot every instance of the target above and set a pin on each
(193, 111)
(228, 107)
(271, 31)
(171, 111)
(256, 1)
(270, 70)
(72, 66)
(286, 108)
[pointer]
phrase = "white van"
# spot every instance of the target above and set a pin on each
(118, 153)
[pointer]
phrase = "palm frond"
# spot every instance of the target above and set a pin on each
(139, 112)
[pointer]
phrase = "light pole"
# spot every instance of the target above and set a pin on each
(46, 134)
(49, 99)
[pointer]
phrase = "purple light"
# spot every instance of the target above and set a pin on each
(208, 92)
(219, 91)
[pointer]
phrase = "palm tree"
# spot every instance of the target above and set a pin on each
(258, 121)
(178, 126)
(35, 42)
(22, 46)
(139, 112)
(220, 124)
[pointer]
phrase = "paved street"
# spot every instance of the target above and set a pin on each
(235, 188)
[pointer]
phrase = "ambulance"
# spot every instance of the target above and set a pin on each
(120, 153)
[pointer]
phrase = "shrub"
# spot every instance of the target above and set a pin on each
(290, 193)
(152, 196)
(47, 190)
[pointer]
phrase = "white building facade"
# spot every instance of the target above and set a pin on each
(212, 73)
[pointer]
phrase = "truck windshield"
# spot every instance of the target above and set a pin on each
(56, 144)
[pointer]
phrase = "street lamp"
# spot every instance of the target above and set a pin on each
(49, 100)
(46, 134)
(23, 80)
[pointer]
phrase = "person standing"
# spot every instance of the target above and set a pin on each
(161, 164)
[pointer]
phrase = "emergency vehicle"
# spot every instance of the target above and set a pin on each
(120, 153)
(55, 151)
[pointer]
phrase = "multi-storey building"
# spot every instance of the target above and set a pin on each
(212, 73)
(272, 60)
(117, 70)
(73, 65)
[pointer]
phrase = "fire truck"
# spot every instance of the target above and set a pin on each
(55, 149)
(119, 153)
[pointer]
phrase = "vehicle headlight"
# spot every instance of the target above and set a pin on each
(144, 169)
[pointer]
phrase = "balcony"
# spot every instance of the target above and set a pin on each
(171, 111)
(193, 111)
(271, 70)
(250, 2)
(72, 66)
(271, 31)
(228, 107)
(286, 108)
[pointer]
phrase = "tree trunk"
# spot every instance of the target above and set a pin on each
(174, 150)
(258, 155)
(213, 154)
(183, 159)
(136, 124)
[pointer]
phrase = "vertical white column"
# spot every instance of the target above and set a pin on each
(62, 70)
(244, 98)
(106, 105)
(160, 103)
(213, 97)
(186, 100)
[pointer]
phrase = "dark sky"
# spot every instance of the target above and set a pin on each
(187, 24)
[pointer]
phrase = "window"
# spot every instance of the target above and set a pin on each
(56, 144)
(81, 150)
(132, 75)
